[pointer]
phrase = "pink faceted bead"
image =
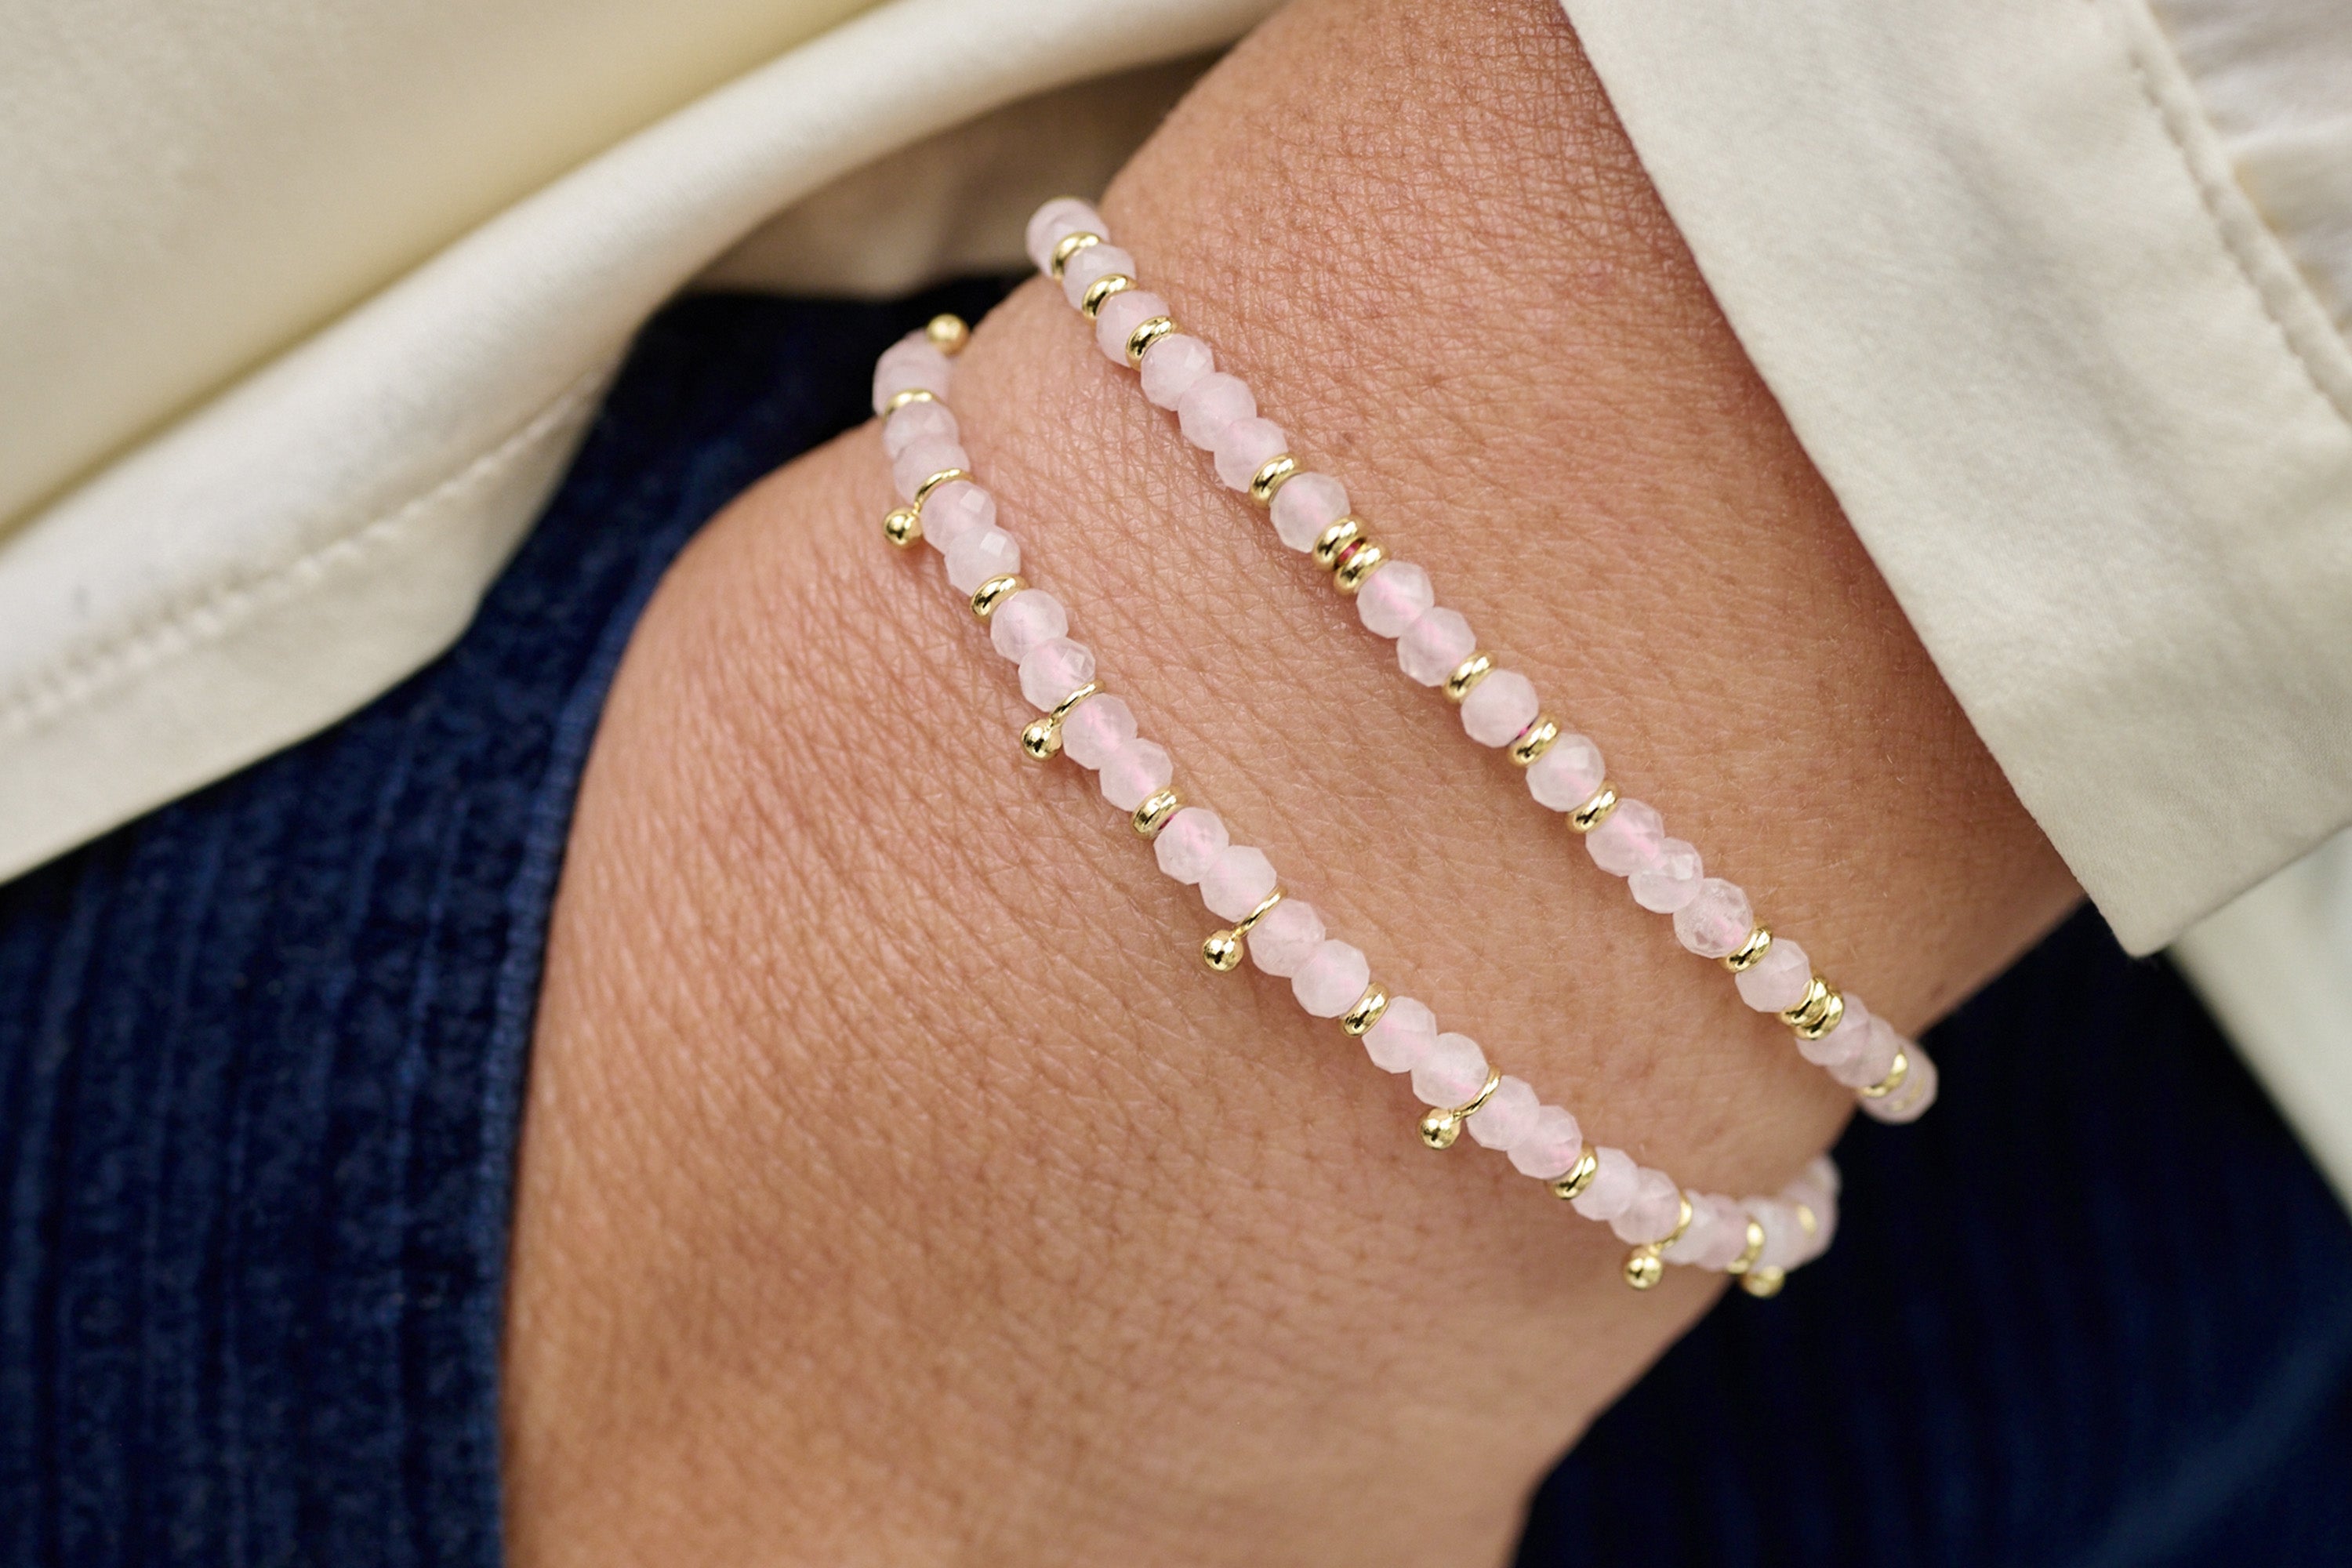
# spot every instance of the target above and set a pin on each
(1628, 839)
(1784, 1235)
(1120, 315)
(1246, 446)
(921, 459)
(1499, 707)
(1395, 595)
(1056, 221)
(1214, 401)
(914, 422)
(954, 509)
(1173, 366)
(1451, 1072)
(1095, 262)
(1821, 1171)
(910, 365)
(1287, 938)
(1822, 1205)
(1095, 729)
(1508, 1115)
(1550, 1147)
(1236, 881)
(1053, 670)
(1669, 881)
(1306, 505)
(1433, 647)
(1912, 1096)
(1189, 842)
(1024, 620)
(1716, 920)
(1656, 1209)
(1699, 1244)
(1873, 1061)
(1849, 1039)
(1135, 771)
(1778, 981)
(1404, 1037)
(1332, 980)
(979, 554)
(1614, 1178)
(1567, 775)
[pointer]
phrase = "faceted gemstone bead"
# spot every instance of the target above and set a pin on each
(1726, 1233)
(1550, 1147)
(1056, 221)
(1670, 881)
(1189, 842)
(1912, 1098)
(1024, 620)
(1395, 595)
(1173, 366)
(1120, 315)
(1656, 1209)
(1716, 920)
(1433, 647)
(1778, 981)
(1214, 401)
(954, 509)
(1135, 772)
(1452, 1071)
(1245, 446)
(1843, 1043)
(1499, 707)
(910, 365)
(1306, 505)
(1568, 774)
(1053, 670)
(1095, 262)
(1614, 1178)
(979, 554)
(1824, 1207)
(921, 459)
(914, 422)
(1332, 980)
(1403, 1036)
(1784, 1234)
(1628, 839)
(1874, 1060)
(1236, 881)
(1095, 729)
(1703, 1237)
(1508, 1115)
(1287, 938)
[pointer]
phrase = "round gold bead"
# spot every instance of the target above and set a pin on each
(1366, 1012)
(900, 400)
(1644, 1269)
(1535, 740)
(995, 592)
(1763, 1283)
(1572, 1186)
(1101, 290)
(923, 492)
(1334, 538)
(1749, 1254)
(1818, 1014)
(1069, 245)
(1468, 675)
(1221, 951)
(902, 526)
(1153, 814)
(1042, 740)
(1271, 478)
(948, 334)
(1356, 565)
(1743, 958)
(1892, 1081)
(1595, 812)
(1148, 331)
(1440, 1128)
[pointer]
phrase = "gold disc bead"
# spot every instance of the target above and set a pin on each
(1334, 538)
(948, 334)
(1595, 812)
(1466, 676)
(1439, 1129)
(995, 592)
(900, 400)
(902, 526)
(1069, 245)
(1366, 1012)
(1749, 1254)
(923, 492)
(1535, 740)
(1148, 331)
(1356, 565)
(1153, 814)
(1571, 1187)
(1892, 1081)
(1818, 1014)
(1271, 477)
(1742, 959)
(1099, 292)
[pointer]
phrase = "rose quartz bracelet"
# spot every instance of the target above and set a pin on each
(1758, 1239)
(1894, 1080)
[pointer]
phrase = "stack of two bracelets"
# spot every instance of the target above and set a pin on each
(1758, 1239)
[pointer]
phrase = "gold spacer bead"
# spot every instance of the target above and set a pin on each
(1334, 538)
(1535, 740)
(995, 592)
(1818, 1014)
(1892, 1081)
(1356, 565)
(1743, 958)
(1747, 1256)
(1248, 922)
(1101, 290)
(923, 492)
(1682, 1223)
(1153, 814)
(900, 400)
(1595, 812)
(1147, 332)
(1223, 952)
(1806, 1217)
(948, 334)
(1069, 245)
(1580, 1177)
(1763, 1283)
(1271, 477)
(1642, 1268)
(1468, 675)
(1366, 1012)
(1439, 1129)
(902, 526)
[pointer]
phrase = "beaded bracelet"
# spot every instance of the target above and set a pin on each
(1894, 1080)
(1757, 1239)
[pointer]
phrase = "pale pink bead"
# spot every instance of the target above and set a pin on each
(1024, 620)
(1287, 938)
(1236, 881)
(1395, 595)
(1628, 839)
(1451, 1072)
(1173, 366)
(1433, 647)
(1094, 730)
(1669, 881)
(1912, 1096)
(1090, 265)
(1822, 1205)
(1120, 315)
(1778, 981)
(979, 554)
(1306, 505)
(1246, 446)
(1704, 1237)
(1727, 1236)
(910, 365)
(1821, 1171)
(1053, 670)
(921, 459)
(1784, 1235)
(954, 509)
(1332, 980)
(1656, 1209)
(1508, 1115)
(1135, 772)
(1214, 401)
(1499, 707)
(1716, 920)
(1874, 1060)
(1403, 1036)
(1550, 1147)
(914, 422)
(1189, 842)
(1614, 1178)
(1056, 221)
(1851, 1036)
(1567, 775)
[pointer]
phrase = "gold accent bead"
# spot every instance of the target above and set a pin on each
(1682, 1217)
(1248, 922)
(1148, 331)
(1153, 814)
(1892, 1081)
(1818, 1014)
(1644, 1269)
(1468, 675)
(1439, 1129)
(995, 592)
(1069, 245)
(1595, 812)
(1366, 1010)
(900, 400)
(1535, 740)
(1101, 290)
(1748, 1254)
(923, 492)
(1271, 478)
(1336, 538)
(1580, 1177)
(1743, 958)
(1806, 1217)
(902, 526)
(1221, 951)
(948, 334)
(1042, 738)
(1356, 565)
(1763, 1283)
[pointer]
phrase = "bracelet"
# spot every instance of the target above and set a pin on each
(1894, 1080)
(1757, 1239)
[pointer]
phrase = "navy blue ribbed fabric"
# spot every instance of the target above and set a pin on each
(260, 1067)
